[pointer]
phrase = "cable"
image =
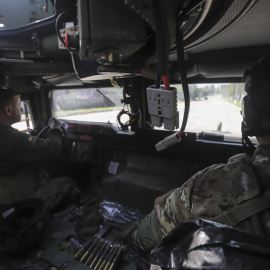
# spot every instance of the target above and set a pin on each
(157, 81)
(73, 63)
(114, 83)
(57, 24)
(166, 82)
(57, 27)
(175, 137)
(183, 75)
(247, 144)
(162, 39)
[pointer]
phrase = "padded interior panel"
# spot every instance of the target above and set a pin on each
(251, 30)
(139, 179)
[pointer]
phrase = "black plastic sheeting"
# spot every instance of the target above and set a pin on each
(203, 244)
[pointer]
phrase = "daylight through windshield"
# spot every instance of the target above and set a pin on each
(214, 108)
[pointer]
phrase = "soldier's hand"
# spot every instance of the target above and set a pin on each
(55, 123)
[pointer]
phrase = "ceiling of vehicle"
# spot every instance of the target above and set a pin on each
(235, 42)
(220, 38)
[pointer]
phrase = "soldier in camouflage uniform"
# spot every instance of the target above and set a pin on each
(22, 155)
(220, 187)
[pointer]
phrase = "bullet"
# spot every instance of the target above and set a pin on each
(83, 258)
(116, 257)
(104, 253)
(93, 253)
(107, 257)
(98, 254)
(79, 253)
(111, 258)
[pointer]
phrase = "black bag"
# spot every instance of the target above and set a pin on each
(203, 244)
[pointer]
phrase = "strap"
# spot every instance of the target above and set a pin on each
(247, 144)
(244, 210)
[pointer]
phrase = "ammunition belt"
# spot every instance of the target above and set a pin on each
(99, 254)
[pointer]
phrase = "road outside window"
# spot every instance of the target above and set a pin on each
(214, 108)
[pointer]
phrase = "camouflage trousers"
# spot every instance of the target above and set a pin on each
(56, 192)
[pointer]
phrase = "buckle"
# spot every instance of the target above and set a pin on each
(229, 219)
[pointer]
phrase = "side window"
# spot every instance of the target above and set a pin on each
(91, 104)
(26, 120)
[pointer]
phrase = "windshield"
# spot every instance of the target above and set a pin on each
(214, 108)
(16, 13)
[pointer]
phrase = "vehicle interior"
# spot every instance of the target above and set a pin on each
(93, 64)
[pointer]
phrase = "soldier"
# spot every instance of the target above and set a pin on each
(221, 187)
(22, 154)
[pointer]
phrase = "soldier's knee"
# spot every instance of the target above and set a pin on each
(146, 237)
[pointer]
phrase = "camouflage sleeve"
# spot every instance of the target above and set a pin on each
(190, 201)
(170, 209)
(213, 192)
(164, 217)
(174, 207)
(207, 194)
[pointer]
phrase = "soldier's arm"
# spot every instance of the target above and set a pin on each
(29, 149)
(179, 205)
(165, 216)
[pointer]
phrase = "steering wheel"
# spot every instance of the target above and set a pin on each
(64, 130)
(46, 128)
(43, 131)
